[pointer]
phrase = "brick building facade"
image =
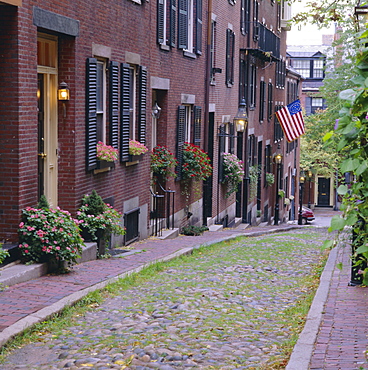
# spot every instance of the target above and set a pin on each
(118, 60)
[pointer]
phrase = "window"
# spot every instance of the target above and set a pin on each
(278, 133)
(252, 85)
(230, 45)
(133, 107)
(267, 162)
(101, 100)
(245, 17)
(243, 77)
(262, 101)
(190, 26)
(166, 23)
(280, 73)
(212, 50)
(302, 66)
(316, 104)
(270, 101)
(188, 130)
(96, 106)
(318, 68)
(255, 21)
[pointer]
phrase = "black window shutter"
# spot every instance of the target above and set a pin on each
(183, 25)
(91, 113)
(228, 66)
(173, 23)
(114, 104)
(199, 27)
(125, 112)
(197, 125)
(232, 137)
(160, 21)
(221, 154)
(142, 116)
(180, 137)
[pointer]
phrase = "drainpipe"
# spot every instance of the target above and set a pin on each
(207, 99)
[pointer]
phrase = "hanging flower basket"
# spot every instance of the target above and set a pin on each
(233, 172)
(196, 163)
(163, 162)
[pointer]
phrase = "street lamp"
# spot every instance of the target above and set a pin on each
(241, 122)
(310, 174)
(301, 183)
(278, 160)
(241, 118)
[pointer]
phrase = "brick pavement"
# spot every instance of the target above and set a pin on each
(340, 343)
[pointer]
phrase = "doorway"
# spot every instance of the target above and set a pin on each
(324, 192)
(47, 119)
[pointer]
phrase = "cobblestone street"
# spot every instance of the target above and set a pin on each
(223, 308)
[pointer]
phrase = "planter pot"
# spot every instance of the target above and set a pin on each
(101, 164)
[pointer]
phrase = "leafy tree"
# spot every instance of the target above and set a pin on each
(352, 134)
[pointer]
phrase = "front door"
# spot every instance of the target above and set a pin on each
(47, 119)
(324, 191)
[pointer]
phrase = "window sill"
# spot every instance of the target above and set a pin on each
(188, 54)
(164, 47)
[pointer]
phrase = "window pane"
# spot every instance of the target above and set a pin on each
(100, 87)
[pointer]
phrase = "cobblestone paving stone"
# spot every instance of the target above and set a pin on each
(225, 309)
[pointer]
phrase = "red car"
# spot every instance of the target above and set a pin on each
(307, 215)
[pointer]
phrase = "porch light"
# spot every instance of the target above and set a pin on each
(241, 118)
(156, 111)
(63, 92)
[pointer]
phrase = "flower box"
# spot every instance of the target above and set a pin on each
(135, 158)
(102, 164)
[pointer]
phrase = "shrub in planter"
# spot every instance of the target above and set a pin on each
(49, 235)
(3, 254)
(98, 220)
(196, 163)
(192, 230)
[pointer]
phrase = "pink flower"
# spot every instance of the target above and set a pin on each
(57, 248)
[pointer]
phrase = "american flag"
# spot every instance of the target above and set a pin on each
(291, 120)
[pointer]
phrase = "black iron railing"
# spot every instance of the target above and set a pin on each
(162, 208)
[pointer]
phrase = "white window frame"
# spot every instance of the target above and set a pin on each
(101, 111)
(188, 123)
(133, 102)
(190, 46)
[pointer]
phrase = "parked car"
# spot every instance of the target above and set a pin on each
(307, 215)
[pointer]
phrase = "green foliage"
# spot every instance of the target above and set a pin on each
(3, 254)
(352, 133)
(253, 181)
(49, 234)
(196, 163)
(233, 172)
(270, 178)
(95, 215)
(43, 203)
(192, 230)
(163, 162)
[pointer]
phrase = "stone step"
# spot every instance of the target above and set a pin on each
(169, 234)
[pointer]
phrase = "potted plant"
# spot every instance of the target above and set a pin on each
(233, 172)
(136, 149)
(49, 235)
(98, 220)
(163, 162)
